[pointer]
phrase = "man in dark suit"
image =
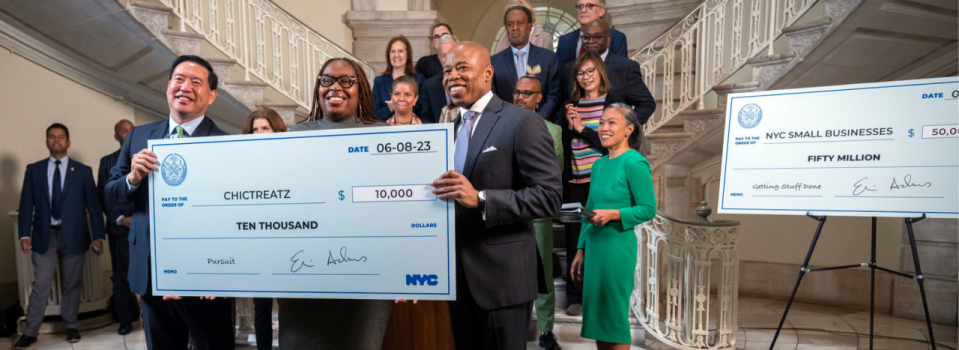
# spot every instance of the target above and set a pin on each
(169, 322)
(505, 176)
(624, 75)
(523, 58)
(433, 97)
(118, 228)
(432, 65)
(57, 197)
(570, 44)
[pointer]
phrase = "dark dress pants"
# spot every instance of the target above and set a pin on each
(573, 193)
(124, 302)
(263, 322)
(481, 329)
(171, 324)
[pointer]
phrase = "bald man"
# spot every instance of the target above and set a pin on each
(505, 176)
(117, 228)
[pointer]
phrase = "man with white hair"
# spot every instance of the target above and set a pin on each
(571, 44)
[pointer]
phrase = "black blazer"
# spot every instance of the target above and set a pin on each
(78, 199)
(429, 66)
(511, 157)
(117, 198)
(566, 48)
(504, 77)
(589, 135)
(624, 75)
(432, 100)
(103, 176)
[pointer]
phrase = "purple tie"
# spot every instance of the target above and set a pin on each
(463, 141)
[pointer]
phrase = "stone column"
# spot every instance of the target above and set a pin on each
(644, 20)
(373, 29)
(676, 196)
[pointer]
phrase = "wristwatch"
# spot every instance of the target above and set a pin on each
(482, 200)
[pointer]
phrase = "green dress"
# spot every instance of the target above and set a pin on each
(622, 183)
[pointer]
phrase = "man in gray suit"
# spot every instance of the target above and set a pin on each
(505, 176)
(58, 197)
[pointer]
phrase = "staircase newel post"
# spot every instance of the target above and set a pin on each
(772, 26)
(244, 29)
(701, 59)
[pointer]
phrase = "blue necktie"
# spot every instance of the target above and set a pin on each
(55, 198)
(463, 141)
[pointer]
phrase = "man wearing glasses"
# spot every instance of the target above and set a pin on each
(522, 59)
(527, 94)
(430, 66)
(571, 44)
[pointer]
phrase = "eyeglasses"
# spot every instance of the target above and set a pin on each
(587, 37)
(525, 93)
(589, 72)
(586, 6)
(345, 81)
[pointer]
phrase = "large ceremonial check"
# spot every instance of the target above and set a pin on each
(343, 214)
(882, 149)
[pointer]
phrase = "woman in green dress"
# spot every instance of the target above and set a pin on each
(622, 196)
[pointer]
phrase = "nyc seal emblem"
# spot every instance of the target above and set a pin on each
(173, 169)
(750, 115)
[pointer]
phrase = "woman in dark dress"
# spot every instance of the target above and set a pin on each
(399, 63)
(341, 100)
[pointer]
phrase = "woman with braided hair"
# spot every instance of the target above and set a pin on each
(342, 99)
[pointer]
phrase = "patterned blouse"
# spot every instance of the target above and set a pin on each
(392, 121)
(583, 154)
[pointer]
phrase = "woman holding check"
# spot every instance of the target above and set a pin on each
(341, 100)
(621, 195)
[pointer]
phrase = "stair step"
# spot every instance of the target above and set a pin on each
(183, 43)
(765, 60)
(815, 26)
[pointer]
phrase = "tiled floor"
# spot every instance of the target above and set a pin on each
(808, 327)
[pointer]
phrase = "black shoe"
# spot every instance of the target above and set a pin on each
(125, 328)
(24, 342)
(73, 335)
(548, 340)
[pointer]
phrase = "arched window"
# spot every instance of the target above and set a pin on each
(551, 20)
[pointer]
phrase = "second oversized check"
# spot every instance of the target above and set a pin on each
(319, 214)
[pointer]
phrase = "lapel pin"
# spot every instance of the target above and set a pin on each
(71, 168)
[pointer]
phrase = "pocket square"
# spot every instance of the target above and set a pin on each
(490, 149)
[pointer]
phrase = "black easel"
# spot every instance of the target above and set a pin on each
(872, 266)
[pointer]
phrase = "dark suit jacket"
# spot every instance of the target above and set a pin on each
(117, 198)
(429, 66)
(432, 100)
(623, 75)
(566, 49)
(78, 199)
(103, 176)
(498, 256)
(382, 92)
(504, 76)
(589, 135)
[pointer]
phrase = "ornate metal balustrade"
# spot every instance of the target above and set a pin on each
(674, 297)
(709, 45)
(265, 40)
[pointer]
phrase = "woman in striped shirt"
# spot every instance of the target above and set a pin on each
(591, 94)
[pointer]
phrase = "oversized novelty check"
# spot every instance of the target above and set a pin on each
(344, 214)
(883, 149)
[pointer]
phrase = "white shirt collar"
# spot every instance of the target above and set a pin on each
(604, 54)
(63, 161)
(188, 127)
(525, 50)
(480, 105)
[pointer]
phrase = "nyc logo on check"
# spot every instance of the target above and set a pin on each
(419, 280)
(750, 115)
(173, 169)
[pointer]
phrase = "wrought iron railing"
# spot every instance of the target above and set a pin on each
(673, 295)
(716, 39)
(265, 40)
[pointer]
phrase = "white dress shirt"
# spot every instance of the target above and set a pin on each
(51, 167)
(477, 107)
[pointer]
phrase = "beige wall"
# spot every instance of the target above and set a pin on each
(32, 98)
(324, 17)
